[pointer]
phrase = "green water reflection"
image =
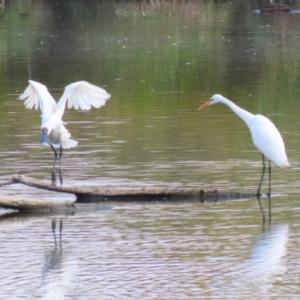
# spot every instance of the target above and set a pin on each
(160, 62)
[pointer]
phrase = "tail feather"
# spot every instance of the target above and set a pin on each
(67, 144)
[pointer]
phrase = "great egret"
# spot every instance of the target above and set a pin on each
(80, 95)
(265, 137)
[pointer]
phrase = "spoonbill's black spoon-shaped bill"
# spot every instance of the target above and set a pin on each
(80, 95)
(265, 137)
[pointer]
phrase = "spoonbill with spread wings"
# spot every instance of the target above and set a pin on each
(80, 95)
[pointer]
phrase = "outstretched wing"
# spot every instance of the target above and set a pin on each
(83, 95)
(37, 96)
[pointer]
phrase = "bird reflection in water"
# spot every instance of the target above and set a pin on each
(268, 251)
(53, 256)
(53, 225)
(257, 274)
(60, 268)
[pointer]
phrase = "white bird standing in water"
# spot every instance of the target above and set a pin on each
(265, 137)
(80, 95)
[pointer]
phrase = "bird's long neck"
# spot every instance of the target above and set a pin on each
(243, 114)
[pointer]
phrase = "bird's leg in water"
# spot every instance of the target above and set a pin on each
(60, 172)
(269, 194)
(258, 194)
(261, 209)
(262, 177)
(53, 177)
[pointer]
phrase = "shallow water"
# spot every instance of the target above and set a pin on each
(160, 63)
(149, 251)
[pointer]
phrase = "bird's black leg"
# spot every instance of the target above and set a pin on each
(258, 194)
(53, 177)
(60, 231)
(60, 172)
(261, 209)
(53, 223)
(262, 177)
(269, 194)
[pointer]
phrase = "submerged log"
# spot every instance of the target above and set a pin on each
(92, 194)
(275, 8)
(108, 194)
(26, 205)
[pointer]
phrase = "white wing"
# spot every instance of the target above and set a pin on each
(37, 96)
(82, 95)
(268, 140)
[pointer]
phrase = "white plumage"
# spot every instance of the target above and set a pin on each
(268, 140)
(80, 95)
(265, 137)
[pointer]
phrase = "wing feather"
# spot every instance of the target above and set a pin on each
(268, 140)
(83, 95)
(36, 95)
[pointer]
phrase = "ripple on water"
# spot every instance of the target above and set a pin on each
(146, 251)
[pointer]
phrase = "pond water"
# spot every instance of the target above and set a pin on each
(160, 61)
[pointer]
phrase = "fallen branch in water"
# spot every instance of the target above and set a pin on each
(105, 194)
(92, 194)
(25, 205)
(7, 183)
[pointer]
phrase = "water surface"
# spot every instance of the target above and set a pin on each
(160, 63)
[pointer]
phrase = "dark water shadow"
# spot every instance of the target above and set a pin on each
(292, 11)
